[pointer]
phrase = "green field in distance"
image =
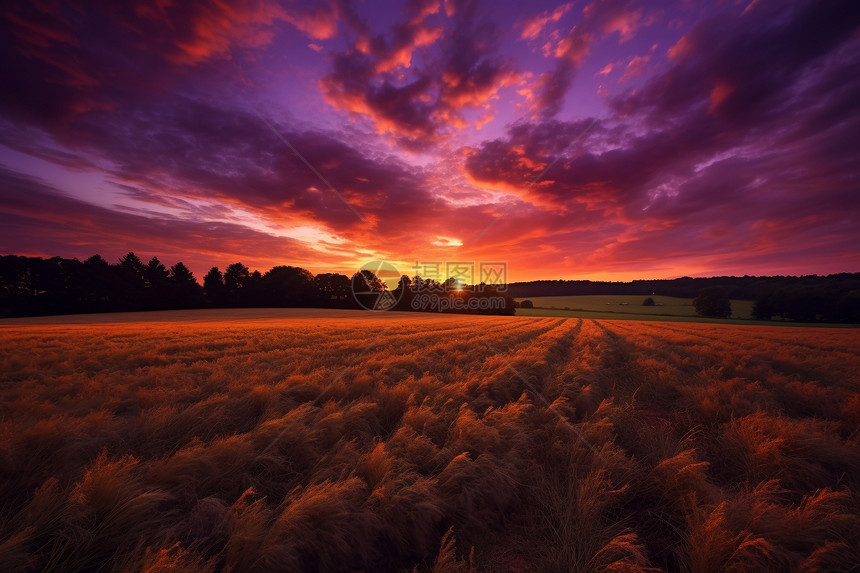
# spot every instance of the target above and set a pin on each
(627, 307)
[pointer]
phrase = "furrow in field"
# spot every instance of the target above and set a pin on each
(505, 375)
(294, 438)
(743, 353)
(718, 379)
(821, 339)
(594, 367)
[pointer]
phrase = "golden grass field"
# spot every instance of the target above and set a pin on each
(313, 440)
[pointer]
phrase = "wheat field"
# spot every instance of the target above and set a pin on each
(315, 440)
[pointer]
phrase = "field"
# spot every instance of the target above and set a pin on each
(348, 441)
(625, 307)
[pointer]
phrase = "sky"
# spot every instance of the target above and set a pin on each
(603, 140)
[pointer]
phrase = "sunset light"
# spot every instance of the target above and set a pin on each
(430, 286)
(609, 140)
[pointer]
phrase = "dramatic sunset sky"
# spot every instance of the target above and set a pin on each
(602, 140)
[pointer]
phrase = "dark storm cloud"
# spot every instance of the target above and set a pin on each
(739, 143)
(202, 152)
(608, 169)
(101, 81)
(745, 66)
(418, 103)
(102, 84)
(758, 169)
(64, 59)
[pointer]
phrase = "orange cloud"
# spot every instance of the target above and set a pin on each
(214, 29)
(208, 30)
(721, 91)
(429, 8)
(635, 68)
(461, 91)
(483, 120)
(533, 26)
(575, 47)
(402, 57)
(320, 24)
(681, 48)
(625, 23)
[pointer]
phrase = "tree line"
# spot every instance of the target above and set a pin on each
(31, 286)
(746, 287)
(810, 298)
(830, 301)
(827, 303)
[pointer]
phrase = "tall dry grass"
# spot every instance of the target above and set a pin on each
(537, 444)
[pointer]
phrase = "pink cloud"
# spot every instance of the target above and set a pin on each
(607, 69)
(599, 19)
(319, 22)
(534, 25)
(636, 67)
(626, 23)
(207, 30)
(421, 106)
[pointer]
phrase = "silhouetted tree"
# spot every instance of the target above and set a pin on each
(526, 304)
(802, 305)
(157, 283)
(96, 261)
(43, 285)
(288, 286)
(133, 265)
(132, 277)
(236, 280)
(253, 294)
(367, 288)
(214, 288)
(332, 289)
(99, 292)
(366, 280)
(848, 308)
(507, 308)
(403, 294)
(423, 285)
(649, 302)
(10, 289)
(184, 290)
(74, 279)
(156, 273)
(763, 307)
(32, 286)
(713, 302)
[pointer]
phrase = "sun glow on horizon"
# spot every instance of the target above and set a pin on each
(391, 134)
